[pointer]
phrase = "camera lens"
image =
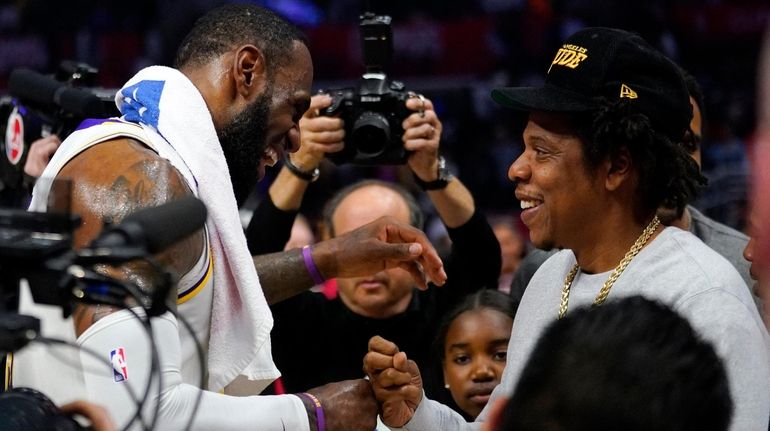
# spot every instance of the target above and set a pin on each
(371, 133)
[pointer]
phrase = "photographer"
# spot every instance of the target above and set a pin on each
(384, 301)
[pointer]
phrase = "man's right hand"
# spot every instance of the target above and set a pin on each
(395, 380)
(382, 244)
(318, 134)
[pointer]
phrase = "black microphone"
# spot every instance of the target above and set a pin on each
(154, 229)
(32, 87)
(147, 231)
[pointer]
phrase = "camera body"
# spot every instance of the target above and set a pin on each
(374, 110)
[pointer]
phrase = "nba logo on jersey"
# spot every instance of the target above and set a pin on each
(118, 360)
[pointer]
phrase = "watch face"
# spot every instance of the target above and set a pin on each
(443, 172)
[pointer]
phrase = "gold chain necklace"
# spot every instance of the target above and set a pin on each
(605, 291)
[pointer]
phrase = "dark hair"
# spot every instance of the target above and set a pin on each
(27, 409)
(692, 143)
(416, 217)
(485, 298)
(228, 26)
(668, 176)
(693, 88)
(632, 364)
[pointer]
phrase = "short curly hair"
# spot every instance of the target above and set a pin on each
(228, 26)
(668, 176)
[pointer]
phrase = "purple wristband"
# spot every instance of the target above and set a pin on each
(310, 265)
(319, 411)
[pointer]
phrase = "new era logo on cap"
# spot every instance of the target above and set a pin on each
(627, 92)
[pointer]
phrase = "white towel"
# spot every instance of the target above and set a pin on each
(164, 100)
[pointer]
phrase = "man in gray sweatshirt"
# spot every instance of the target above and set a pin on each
(602, 154)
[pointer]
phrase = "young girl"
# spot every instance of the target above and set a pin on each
(472, 343)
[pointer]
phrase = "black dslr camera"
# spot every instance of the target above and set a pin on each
(373, 112)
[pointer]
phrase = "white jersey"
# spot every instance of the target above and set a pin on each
(58, 374)
(194, 289)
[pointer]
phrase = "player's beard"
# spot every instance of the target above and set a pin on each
(243, 141)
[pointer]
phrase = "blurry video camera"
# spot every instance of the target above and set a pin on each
(41, 105)
(373, 111)
(30, 410)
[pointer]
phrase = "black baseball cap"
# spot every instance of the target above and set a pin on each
(596, 66)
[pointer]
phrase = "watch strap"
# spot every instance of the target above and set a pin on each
(308, 176)
(444, 176)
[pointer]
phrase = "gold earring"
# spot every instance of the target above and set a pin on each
(446, 385)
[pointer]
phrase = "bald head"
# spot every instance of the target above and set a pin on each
(366, 201)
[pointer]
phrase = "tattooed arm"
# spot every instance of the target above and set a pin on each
(110, 181)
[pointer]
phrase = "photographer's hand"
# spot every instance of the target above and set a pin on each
(40, 153)
(422, 133)
(318, 135)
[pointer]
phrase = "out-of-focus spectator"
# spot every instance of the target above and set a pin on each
(26, 409)
(759, 273)
(513, 248)
(301, 233)
(758, 250)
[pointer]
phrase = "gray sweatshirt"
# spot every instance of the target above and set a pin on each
(675, 268)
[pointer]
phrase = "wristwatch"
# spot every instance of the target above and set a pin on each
(444, 177)
(308, 176)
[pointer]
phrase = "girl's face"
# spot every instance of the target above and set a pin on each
(474, 356)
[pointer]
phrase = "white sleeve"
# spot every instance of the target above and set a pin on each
(120, 339)
(432, 415)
